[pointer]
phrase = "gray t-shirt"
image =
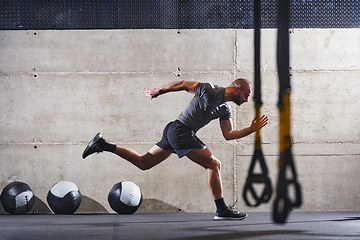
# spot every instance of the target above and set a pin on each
(208, 104)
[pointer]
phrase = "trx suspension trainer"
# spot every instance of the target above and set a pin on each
(258, 157)
(285, 201)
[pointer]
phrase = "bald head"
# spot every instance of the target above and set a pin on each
(239, 91)
(243, 83)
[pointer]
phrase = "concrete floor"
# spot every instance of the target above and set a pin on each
(300, 225)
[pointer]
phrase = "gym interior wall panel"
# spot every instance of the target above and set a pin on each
(325, 106)
(245, 50)
(330, 182)
(310, 50)
(124, 51)
(324, 49)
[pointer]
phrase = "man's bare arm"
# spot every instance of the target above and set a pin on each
(229, 133)
(171, 87)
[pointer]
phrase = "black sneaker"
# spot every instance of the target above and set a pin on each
(230, 214)
(94, 145)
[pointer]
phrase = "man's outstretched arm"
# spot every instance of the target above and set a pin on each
(229, 133)
(171, 87)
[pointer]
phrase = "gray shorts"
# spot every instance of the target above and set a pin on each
(180, 139)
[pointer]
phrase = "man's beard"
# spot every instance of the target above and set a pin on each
(237, 101)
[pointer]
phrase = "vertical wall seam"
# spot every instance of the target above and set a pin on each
(234, 122)
(234, 54)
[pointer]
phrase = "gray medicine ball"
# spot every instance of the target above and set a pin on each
(125, 197)
(64, 197)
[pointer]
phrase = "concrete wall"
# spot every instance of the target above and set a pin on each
(59, 88)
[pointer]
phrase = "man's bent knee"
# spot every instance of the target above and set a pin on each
(146, 163)
(216, 164)
(204, 158)
(152, 158)
(144, 167)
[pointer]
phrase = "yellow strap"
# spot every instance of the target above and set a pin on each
(284, 128)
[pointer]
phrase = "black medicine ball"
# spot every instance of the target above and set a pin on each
(17, 198)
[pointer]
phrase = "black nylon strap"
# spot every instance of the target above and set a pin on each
(258, 157)
(283, 203)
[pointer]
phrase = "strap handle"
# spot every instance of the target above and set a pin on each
(283, 203)
(257, 178)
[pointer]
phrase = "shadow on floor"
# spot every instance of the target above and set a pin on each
(87, 205)
(152, 205)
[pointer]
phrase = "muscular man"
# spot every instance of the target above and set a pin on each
(210, 102)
